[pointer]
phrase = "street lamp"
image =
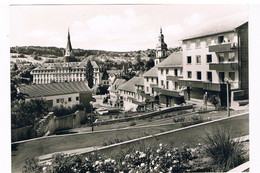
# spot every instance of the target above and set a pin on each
(228, 107)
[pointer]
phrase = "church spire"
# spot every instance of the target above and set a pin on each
(68, 51)
(161, 48)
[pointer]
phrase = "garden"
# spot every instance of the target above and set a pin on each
(217, 152)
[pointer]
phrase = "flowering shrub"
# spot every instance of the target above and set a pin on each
(159, 160)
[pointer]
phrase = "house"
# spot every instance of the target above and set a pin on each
(128, 93)
(114, 99)
(214, 54)
(56, 94)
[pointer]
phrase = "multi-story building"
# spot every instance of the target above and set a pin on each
(65, 72)
(114, 99)
(56, 94)
(214, 55)
(132, 99)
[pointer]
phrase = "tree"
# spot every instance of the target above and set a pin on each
(149, 64)
(105, 75)
(89, 74)
(15, 68)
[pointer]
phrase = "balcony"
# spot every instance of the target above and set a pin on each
(172, 93)
(173, 78)
(223, 66)
(142, 93)
(222, 47)
(201, 84)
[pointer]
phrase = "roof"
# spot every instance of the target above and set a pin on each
(116, 84)
(217, 26)
(130, 84)
(51, 89)
(140, 81)
(153, 72)
(49, 66)
(173, 60)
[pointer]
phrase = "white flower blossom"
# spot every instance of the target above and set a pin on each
(142, 164)
(160, 144)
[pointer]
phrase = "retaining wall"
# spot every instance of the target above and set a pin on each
(21, 133)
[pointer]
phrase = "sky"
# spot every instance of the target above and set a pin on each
(110, 27)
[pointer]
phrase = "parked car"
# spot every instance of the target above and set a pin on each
(102, 111)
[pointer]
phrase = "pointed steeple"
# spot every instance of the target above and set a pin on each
(161, 48)
(69, 51)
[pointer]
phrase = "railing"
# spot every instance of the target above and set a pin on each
(172, 93)
(201, 84)
(224, 66)
(173, 78)
(222, 47)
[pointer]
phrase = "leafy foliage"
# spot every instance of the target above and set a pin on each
(215, 101)
(24, 113)
(60, 111)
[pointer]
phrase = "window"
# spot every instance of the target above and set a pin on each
(189, 74)
(198, 75)
(152, 90)
(209, 58)
(221, 57)
(69, 99)
(198, 59)
(77, 98)
(176, 85)
(197, 43)
(221, 76)
(167, 84)
(147, 89)
(167, 71)
(231, 75)
(147, 79)
(157, 81)
(176, 72)
(208, 41)
(209, 76)
(220, 39)
(152, 79)
(161, 71)
(231, 57)
(57, 100)
(162, 83)
(188, 59)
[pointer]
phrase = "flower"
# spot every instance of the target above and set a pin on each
(48, 163)
(158, 150)
(169, 154)
(142, 164)
(142, 155)
(160, 144)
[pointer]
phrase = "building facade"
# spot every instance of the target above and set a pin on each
(214, 57)
(65, 72)
(56, 94)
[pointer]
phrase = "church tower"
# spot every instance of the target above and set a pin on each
(161, 49)
(69, 51)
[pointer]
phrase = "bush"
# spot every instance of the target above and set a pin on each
(60, 111)
(132, 123)
(179, 119)
(148, 160)
(194, 120)
(215, 101)
(224, 152)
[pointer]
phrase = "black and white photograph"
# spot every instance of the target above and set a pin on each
(129, 88)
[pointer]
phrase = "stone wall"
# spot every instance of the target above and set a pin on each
(21, 133)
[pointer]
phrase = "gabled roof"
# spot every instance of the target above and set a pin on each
(174, 60)
(52, 89)
(130, 84)
(116, 84)
(217, 26)
(140, 81)
(153, 72)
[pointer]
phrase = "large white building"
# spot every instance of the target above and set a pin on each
(216, 53)
(65, 72)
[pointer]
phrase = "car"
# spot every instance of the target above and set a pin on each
(102, 111)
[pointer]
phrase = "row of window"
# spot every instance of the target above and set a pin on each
(167, 71)
(147, 80)
(61, 100)
(198, 59)
(231, 76)
(219, 40)
(59, 75)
